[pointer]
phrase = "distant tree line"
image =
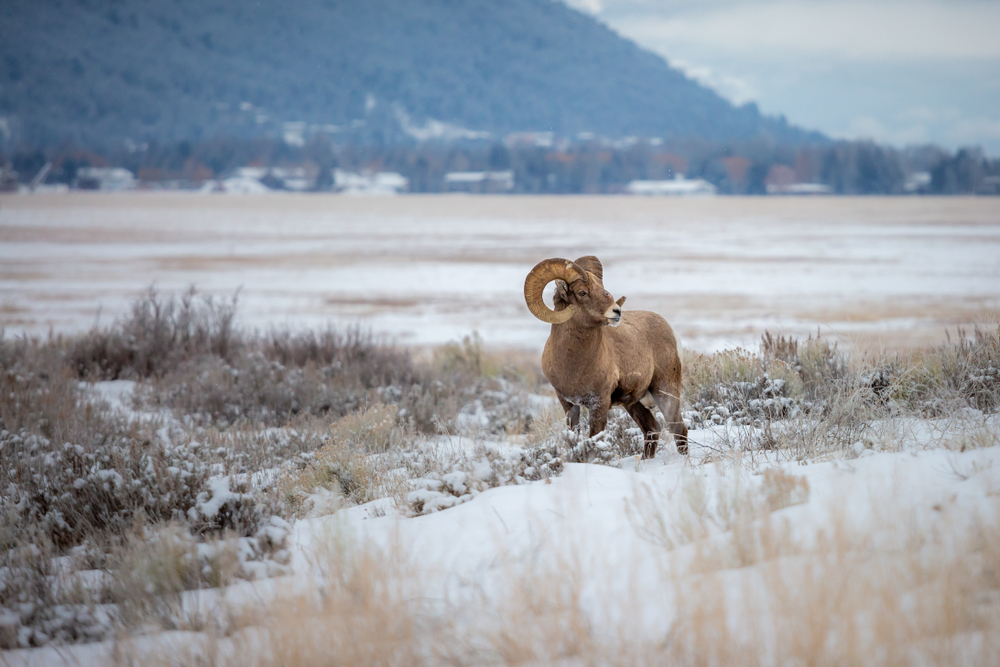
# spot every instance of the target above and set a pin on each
(562, 167)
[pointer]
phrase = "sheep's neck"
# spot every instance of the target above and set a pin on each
(577, 341)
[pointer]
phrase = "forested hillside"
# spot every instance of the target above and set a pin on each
(100, 72)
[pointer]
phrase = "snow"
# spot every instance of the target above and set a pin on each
(592, 517)
(430, 270)
(427, 270)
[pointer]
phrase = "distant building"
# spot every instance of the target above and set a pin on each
(918, 182)
(8, 180)
(236, 185)
(294, 133)
(799, 189)
(479, 181)
(782, 180)
(991, 185)
(110, 179)
(297, 179)
(679, 186)
(256, 173)
(540, 139)
(369, 183)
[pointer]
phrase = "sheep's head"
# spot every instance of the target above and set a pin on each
(579, 294)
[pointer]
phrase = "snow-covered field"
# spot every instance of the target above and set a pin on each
(884, 558)
(429, 269)
(869, 536)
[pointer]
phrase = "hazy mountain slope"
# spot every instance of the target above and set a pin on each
(149, 69)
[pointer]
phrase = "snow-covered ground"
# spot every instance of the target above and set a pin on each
(650, 558)
(430, 269)
(883, 553)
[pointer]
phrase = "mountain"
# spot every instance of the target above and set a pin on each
(100, 72)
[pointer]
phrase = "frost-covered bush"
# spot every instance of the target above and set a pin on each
(963, 372)
(47, 598)
(460, 476)
(245, 449)
(746, 402)
(374, 429)
(39, 395)
(495, 408)
(73, 491)
(621, 438)
(484, 405)
(341, 468)
(354, 462)
(254, 388)
(476, 390)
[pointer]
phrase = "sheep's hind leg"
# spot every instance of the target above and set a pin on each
(670, 406)
(650, 428)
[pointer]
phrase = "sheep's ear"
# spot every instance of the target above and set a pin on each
(562, 293)
(592, 265)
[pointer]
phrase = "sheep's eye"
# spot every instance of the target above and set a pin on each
(581, 294)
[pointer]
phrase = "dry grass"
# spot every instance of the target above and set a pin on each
(798, 400)
(96, 491)
(752, 593)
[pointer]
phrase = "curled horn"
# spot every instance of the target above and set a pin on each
(545, 272)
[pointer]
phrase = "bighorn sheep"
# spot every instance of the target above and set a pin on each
(596, 356)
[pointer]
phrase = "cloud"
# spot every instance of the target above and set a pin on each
(949, 127)
(868, 127)
(896, 71)
(736, 89)
(923, 29)
(975, 130)
(589, 6)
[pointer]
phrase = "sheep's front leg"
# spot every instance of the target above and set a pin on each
(599, 415)
(572, 412)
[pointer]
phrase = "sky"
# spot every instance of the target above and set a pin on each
(902, 73)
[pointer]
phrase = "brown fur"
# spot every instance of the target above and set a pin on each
(595, 365)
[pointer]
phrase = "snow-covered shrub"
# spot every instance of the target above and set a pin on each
(219, 508)
(464, 385)
(819, 365)
(621, 438)
(73, 491)
(253, 388)
(964, 372)
(373, 429)
(245, 449)
(342, 468)
(746, 403)
(45, 597)
(498, 407)
(484, 405)
(156, 567)
(457, 477)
